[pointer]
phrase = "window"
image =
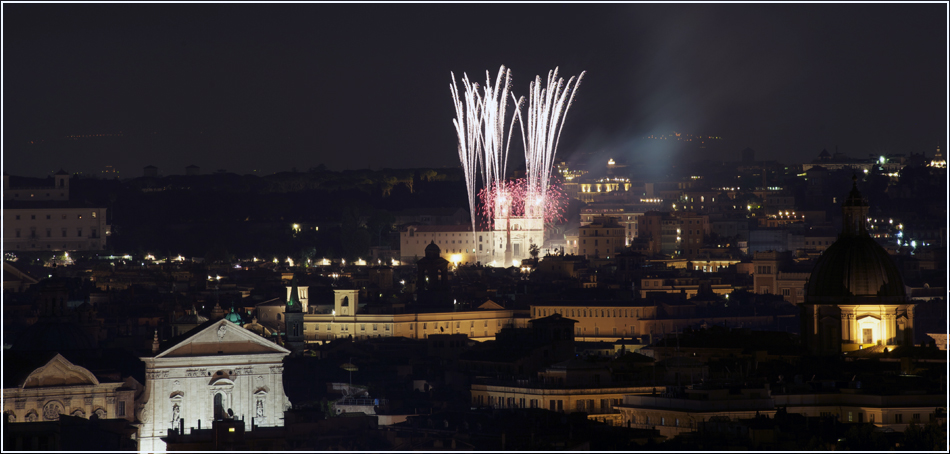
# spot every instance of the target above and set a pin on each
(375, 327)
(915, 417)
(33, 216)
(898, 418)
(120, 408)
(64, 233)
(18, 217)
(786, 292)
(362, 327)
(64, 216)
(17, 233)
(48, 217)
(79, 232)
(93, 214)
(49, 233)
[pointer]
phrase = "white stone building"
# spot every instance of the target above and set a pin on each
(220, 371)
(61, 387)
(45, 219)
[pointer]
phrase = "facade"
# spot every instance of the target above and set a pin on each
(894, 412)
(769, 279)
(602, 238)
(855, 296)
(598, 321)
(598, 402)
(60, 387)
(44, 219)
(219, 371)
(679, 233)
(626, 215)
(600, 189)
(346, 321)
(673, 413)
(458, 243)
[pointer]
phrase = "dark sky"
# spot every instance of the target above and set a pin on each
(271, 87)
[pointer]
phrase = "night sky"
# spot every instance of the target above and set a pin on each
(272, 87)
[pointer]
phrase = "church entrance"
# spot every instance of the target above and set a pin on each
(868, 336)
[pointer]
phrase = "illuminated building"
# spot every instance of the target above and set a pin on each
(45, 219)
(842, 161)
(58, 386)
(457, 243)
(598, 190)
(603, 320)
(855, 296)
(347, 320)
(674, 234)
(673, 413)
(514, 235)
(602, 238)
(598, 401)
(773, 274)
(627, 214)
(215, 372)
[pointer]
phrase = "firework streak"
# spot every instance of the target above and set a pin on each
(547, 110)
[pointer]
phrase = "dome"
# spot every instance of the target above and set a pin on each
(433, 250)
(855, 269)
(234, 317)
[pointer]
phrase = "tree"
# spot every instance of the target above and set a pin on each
(534, 250)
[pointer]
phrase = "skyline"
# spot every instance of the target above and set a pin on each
(275, 87)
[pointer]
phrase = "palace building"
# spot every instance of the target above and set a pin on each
(43, 218)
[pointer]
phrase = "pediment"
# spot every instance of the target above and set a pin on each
(58, 371)
(490, 305)
(868, 318)
(222, 338)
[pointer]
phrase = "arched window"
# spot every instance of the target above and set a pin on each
(219, 412)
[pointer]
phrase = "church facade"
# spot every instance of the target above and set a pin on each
(60, 387)
(221, 371)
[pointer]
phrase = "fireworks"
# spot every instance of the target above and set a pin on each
(466, 124)
(480, 127)
(511, 199)
(547, 110)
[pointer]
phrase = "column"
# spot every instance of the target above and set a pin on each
(845, 327)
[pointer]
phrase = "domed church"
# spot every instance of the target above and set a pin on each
(855, 297)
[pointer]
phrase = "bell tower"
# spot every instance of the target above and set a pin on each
(293, 316)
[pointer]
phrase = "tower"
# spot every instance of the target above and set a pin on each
(293, 317)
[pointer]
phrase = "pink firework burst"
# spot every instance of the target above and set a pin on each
(511, 198)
